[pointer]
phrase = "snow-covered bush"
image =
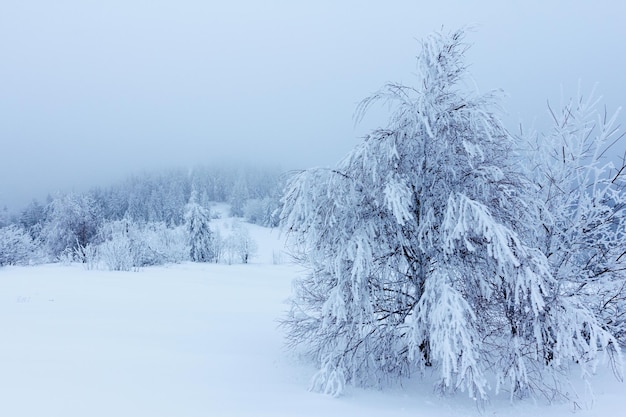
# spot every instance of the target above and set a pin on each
(119, 254)
(87, 255)
(242, 243)
(17, 247)
(237, 246)
(127, 245)
(423, 251)
(169, 244)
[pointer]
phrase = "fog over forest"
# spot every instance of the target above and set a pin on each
(94, 92)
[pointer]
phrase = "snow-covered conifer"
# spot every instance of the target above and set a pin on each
(197, 219)
(422, 251)
(238, 195)
(4, 217)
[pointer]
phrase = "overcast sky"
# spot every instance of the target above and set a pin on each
(91, 91)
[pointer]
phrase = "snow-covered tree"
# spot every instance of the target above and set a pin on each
(197, 223)
(238, 195)
(422, 250)
(4, 216)
(242, 244)
(72, 220)
(582, 203)
(16, 246)
(32, 218)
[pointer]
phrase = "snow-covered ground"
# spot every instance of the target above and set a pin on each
(192, 340)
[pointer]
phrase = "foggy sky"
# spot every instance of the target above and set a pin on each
(91, 91)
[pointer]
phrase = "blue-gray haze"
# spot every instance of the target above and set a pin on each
(91, 91)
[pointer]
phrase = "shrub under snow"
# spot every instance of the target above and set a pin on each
(17, 247)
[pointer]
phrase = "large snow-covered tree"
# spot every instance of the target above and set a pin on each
(423, 251)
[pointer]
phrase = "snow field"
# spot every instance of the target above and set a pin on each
(191, 340)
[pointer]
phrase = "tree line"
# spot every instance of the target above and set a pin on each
(168, 210)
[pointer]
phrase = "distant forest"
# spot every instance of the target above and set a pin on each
(67, 225)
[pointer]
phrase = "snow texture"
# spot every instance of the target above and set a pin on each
(192, 340)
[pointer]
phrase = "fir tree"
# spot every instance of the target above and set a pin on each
(197, 219)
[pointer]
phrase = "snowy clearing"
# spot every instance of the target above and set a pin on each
(191, 340)
(187, 340)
